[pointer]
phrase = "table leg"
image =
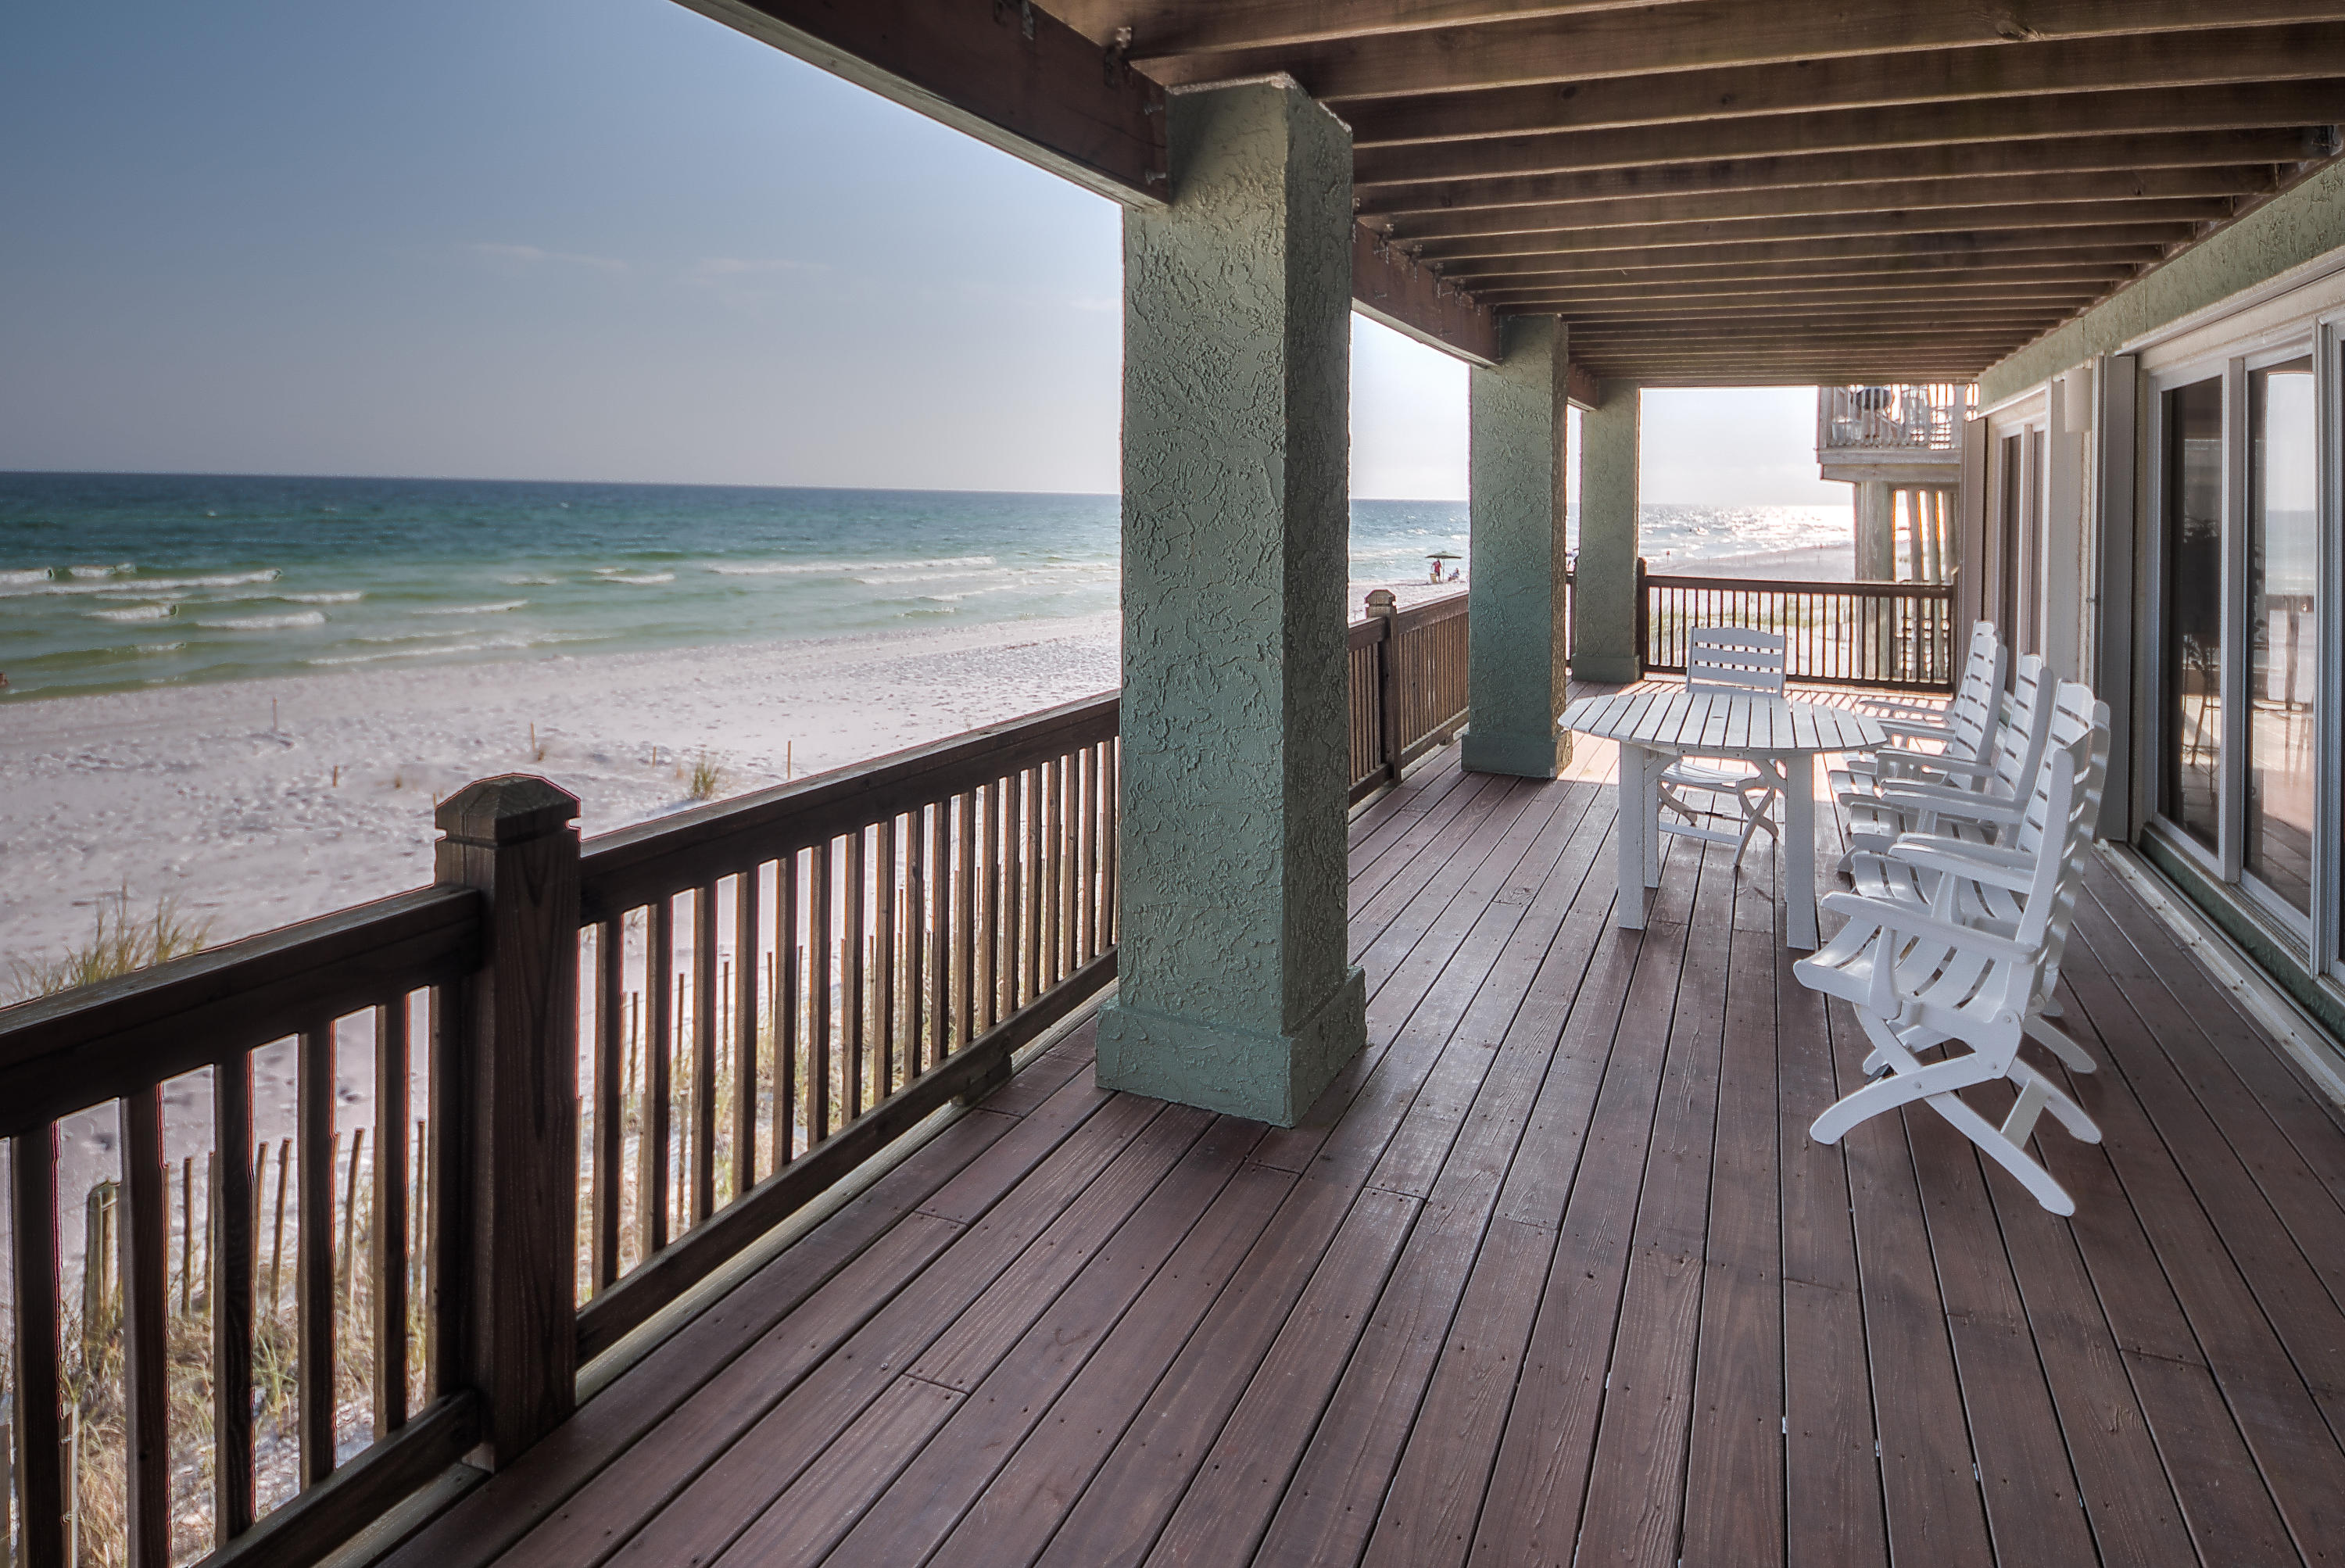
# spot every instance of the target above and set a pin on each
(1800, 851)
(1649, 813)
(1632, 828)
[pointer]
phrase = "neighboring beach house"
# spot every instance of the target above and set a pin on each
(781, 1189)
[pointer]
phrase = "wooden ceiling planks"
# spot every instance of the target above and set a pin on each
(1721, 192)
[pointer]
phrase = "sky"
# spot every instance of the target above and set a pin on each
(601, 240)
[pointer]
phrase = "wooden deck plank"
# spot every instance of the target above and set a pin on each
(1930, 1493)
(1636, 1481)
(1120, 1513)
(1114, 1149)
(2026, 1476)
(1085, 1348)
(1734, 1464)
(807, 1520)
(1541, 1474)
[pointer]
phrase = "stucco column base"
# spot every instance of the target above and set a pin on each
(1262, 1077)
(1523, 756)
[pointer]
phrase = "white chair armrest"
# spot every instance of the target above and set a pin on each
(1906, 921)
(1916, 729)
(1964, 803)
(1930, 858)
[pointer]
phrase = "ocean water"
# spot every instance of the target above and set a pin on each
(114, 582)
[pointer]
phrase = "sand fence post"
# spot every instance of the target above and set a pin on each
(511, 1333)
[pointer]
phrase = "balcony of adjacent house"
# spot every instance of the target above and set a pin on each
(1902, 435)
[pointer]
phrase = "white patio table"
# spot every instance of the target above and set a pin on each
(1782, 739)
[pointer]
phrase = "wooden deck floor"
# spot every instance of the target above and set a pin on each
(1553, 1274)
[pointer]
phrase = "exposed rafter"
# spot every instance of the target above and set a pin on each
(2259, 105)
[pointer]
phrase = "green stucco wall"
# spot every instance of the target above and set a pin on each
(2297, 227)
(1233, 990)
(1517, 658)
(1605, 614)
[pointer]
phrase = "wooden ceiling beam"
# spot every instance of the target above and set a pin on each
(1710, 36)
(2260, 106)
(1947, 291)
(2161, 60)
(1884, 253)
(1629, 312)
(1390, 287)
(1032, 86)
(2167, 222)
(1985, 198)
(1875, 272)
(1598, 342)
(1162, 27)
(1954, 161)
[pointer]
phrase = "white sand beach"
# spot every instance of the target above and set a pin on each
(256, 803)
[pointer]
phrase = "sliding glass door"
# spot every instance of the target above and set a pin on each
(2238, 509)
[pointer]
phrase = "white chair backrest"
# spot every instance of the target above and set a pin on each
(1728, 658)
(2080, 733)
(2026, 724)
(1971, 716)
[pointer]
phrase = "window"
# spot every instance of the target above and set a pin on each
(2193, 575)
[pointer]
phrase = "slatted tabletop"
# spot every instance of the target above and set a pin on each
(1721, 722)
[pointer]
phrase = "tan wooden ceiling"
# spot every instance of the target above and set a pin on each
(1721, 191)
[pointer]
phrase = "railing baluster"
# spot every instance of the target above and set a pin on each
(916, 941)
(313, 1275)
(232, 1238)
(390, 1293)
(883, 956)
(819, 992)
(144, 1233)
(788, 950)
(1037, 882)
(610, 1090)
(744, 1029)
(39, 1392)
(703, 1051)
(964, 917)
(651, 1148)
(988, 935)
(855, 1045)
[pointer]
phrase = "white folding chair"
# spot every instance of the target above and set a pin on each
(1924, 977)
(1990, 790)
(1961, 730)
(1729, 660)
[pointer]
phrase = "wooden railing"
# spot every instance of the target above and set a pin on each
(1893, 419)
(1407, 685)
(597, 1072)
(620, 1063)
(1893, 635)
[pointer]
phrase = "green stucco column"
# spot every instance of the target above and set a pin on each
(1516, 661)
(1233, 990)
(1605, 616)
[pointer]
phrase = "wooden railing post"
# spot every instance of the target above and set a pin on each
(514, 1101)
(1383, 606)
(1644, 621)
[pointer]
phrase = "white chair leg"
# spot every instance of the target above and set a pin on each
(2010, 1155)
(2043, 1094)
(1939, 1078)
(2054, 1039)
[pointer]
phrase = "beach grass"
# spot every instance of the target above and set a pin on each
(120, 944)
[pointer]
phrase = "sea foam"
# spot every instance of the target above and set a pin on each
(497, 608)
(267, 623)
(134, 613)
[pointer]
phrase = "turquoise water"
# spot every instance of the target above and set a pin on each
(113, 582)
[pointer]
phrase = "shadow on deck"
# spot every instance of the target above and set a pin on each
(1553, 1267)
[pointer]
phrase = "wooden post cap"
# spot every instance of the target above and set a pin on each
(1381, 602)
(506, 810)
